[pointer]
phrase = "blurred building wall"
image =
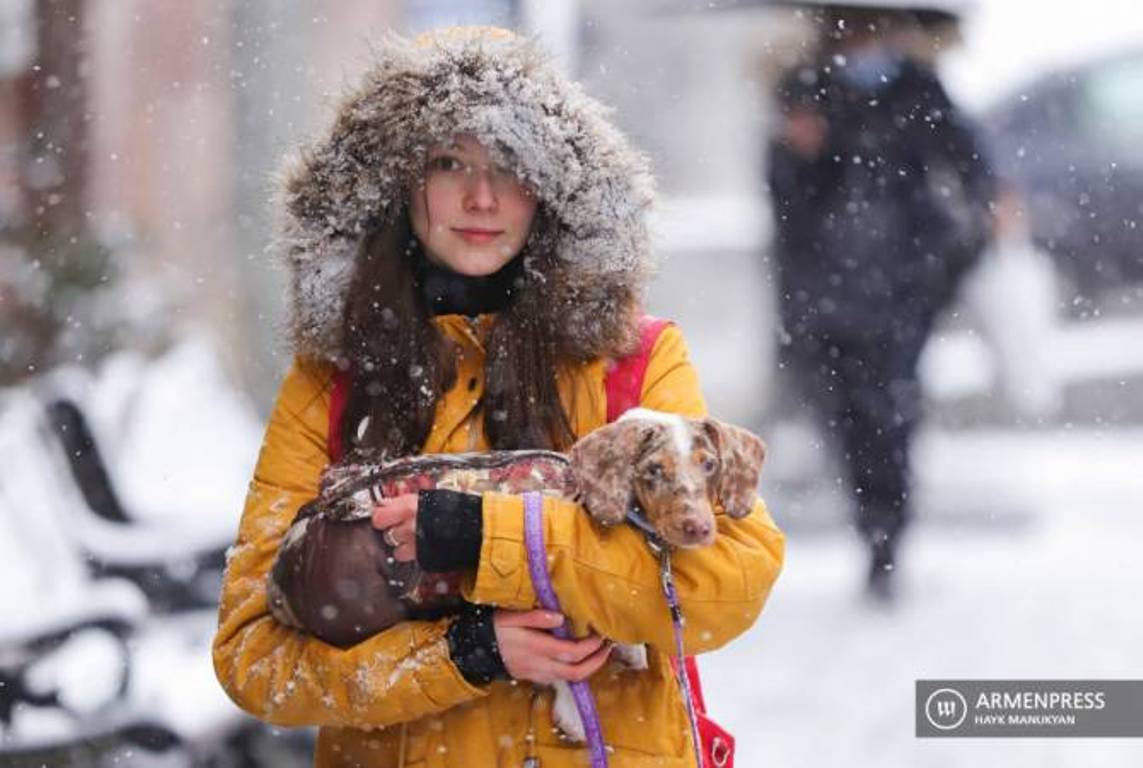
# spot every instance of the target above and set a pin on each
(193, 106)
(161, 135)
(690, 88)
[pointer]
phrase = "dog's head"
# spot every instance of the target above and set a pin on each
(676, 468)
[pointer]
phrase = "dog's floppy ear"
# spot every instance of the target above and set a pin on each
(602, 465)
(740, 457)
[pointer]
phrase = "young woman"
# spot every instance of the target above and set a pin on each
(468, 245)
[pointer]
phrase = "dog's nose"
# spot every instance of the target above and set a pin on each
(696, 529)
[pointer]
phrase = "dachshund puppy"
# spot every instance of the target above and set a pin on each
(676, 469)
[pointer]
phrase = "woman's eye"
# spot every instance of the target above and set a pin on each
(446, 163)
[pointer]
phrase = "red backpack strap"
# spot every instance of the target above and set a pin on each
(690, 666)
(624, 386)
(624, 380)
(338, 399)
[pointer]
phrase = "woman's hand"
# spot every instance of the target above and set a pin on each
(530, 652)
(396, 517)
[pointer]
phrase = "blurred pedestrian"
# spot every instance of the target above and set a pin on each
(882, 199)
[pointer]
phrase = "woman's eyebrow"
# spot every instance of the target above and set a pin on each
(446, 146)
(455, 151)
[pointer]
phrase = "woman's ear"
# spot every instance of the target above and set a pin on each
(602, 465)
(740, 457)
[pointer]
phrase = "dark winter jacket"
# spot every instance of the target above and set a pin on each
(880, 226)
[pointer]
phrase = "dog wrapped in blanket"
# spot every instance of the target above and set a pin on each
(335, 575)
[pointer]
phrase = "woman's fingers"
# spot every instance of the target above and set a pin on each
(406, 551)
(397, 518)
(395, 510)
(531, 652)
(546, 669)
(402, 540)
(568, 651)
(537, 618)
(546, 644)
(399, 534)
(583, 670)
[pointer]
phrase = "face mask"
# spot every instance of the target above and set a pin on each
(870, 70)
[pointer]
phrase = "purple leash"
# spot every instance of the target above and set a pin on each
(667, 580)
(542, 583)
(677, 622)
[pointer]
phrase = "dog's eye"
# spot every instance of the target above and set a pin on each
(709, 466)
(653, 472)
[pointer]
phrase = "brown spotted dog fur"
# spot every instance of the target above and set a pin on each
(679, 470)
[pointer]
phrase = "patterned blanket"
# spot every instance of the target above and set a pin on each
(334, 575)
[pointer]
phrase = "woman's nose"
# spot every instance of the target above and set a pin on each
(480, 193)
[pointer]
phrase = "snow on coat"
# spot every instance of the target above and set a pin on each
(607, 580)
(399, 690)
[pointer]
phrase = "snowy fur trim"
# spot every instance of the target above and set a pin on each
(498, 86)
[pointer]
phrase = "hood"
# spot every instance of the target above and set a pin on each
(501, 88)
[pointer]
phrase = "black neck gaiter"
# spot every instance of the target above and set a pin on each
(449, 293)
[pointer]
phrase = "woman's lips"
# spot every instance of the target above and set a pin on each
(478, 236)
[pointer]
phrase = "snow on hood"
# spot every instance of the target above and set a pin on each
(501, 88)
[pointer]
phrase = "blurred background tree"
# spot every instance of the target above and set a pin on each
(57, 275)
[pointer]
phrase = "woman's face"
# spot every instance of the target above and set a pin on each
(471, 215)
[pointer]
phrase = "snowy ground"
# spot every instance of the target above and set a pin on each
(1037, 585)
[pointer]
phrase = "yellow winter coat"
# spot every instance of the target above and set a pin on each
(606, 579)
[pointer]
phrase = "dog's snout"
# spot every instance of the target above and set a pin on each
(696, 530)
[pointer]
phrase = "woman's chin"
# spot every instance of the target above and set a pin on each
(478, 263)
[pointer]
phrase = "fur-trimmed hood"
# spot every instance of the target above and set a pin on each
(501, 88)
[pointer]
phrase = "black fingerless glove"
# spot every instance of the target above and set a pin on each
(450, 528)
(472, 645)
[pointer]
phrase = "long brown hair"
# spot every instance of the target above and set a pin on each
(400, 364)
